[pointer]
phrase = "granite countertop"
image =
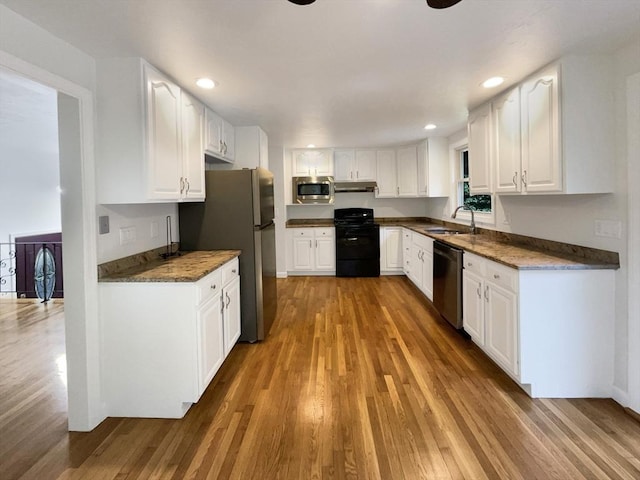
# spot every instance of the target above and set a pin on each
(185, 267)
(515, 251)
(522, 256)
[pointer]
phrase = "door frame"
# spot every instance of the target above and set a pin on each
(78, 202)
(633, 239)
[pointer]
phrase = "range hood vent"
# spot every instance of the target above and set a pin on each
(353, 187)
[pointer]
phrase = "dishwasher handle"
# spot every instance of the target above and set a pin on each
(442, 249)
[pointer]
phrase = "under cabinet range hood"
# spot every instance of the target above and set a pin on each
(352, 187)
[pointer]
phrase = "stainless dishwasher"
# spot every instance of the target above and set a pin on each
(447, 282)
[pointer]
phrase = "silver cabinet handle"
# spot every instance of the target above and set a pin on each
(221, 304)
(181, 184)
(486, 293)
(524, 178)
(398, 190)
(221, 147)
(357, 174)
(351, 175)
(188, 186)
(213, 286)
(478, 290)
(228, 300)
(515, 179)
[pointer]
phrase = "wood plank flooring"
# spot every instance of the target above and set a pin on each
(359, 379)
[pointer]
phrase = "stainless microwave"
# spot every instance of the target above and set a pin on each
(310, 190)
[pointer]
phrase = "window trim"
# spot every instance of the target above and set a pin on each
(481, 218)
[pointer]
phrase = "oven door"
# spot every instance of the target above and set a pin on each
(358, 242)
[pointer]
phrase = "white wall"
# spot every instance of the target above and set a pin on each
(149, 222)
(29, 163)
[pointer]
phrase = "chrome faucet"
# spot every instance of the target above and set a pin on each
(472, 227)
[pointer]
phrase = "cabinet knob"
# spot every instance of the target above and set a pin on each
(469, 264)
(496, 276)
(233, 271)
(213, 286)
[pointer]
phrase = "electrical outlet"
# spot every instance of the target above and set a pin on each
(154, 230)
(127, 235)
(103, 224)
(608, 228)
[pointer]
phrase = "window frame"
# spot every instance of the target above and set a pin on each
(481, 218)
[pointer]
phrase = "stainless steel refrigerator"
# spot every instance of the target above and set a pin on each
(238, 214)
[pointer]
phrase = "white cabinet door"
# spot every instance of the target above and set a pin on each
(231, 296)
(214, 125)
(386, 175)
(192, 148)
(228, 141)
(501, 323)
(427, 273)
(325, 253)
(303, 253)
(210, 341)
(473, 306)
(479, 129)
(541, 152)
(365, 165)
(391, 249)
(417, 271)
(506, 129)
(344, 161)
(312, 163)
(407, 171)
(163, 137)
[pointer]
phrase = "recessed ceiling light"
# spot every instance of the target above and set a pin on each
(205, 83)
(493, 82)
(311, 145)
(429, 126)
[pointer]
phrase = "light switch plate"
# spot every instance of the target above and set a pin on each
(103, 224)
(127, 235)
(608, 228)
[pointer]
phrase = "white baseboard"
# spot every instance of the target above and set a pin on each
(281, 275)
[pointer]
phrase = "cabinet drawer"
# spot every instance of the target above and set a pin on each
(474, 264)
(501, 275)
(424, 242)
(323, 232)
(303, 232)
(209, 286)
(230, 270)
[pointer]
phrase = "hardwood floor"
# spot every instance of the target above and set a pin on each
(358, 379)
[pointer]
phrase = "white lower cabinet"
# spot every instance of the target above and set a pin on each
(550, 330)
(391, 256)
(163, 342)
(420, 262)
(313, 251)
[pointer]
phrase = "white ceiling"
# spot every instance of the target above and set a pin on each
(340, 72)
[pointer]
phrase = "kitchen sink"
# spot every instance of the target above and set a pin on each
(442, 231)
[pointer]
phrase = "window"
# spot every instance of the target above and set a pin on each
(480, 203)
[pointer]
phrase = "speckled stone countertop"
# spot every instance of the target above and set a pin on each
(523, 253)
(516, 251)
(186, 267)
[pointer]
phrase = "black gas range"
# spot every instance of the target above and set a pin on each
(357, 243)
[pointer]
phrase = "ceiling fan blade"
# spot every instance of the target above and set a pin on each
(302, 2)
(442, 3)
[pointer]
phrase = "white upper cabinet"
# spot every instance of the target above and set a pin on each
(192, 152)
(551, 134)
(146, 136)
(219, 137)
(506, 118)
(541, 156)
(433, 167)
(252, 148)
(407, 168)
(312, 163)
(386, 174)
(343, 163)
(354, 165)
(479, 131)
